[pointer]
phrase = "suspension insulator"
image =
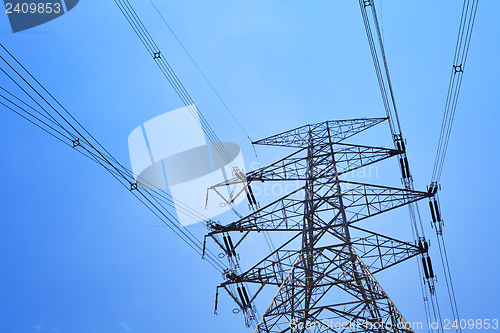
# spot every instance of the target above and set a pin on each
(248, 196)
(429, 264)
(407, 167)
(242, 297)
(402, 168)
(251, 195)
(403, 145)
(247, 299)
(426, 246)
(398, 145)
(228, 249)
(230, 241)
(430, 189)
(432, 212)
(436, 207)
(420, 246)
(424, 263)
(216, 299)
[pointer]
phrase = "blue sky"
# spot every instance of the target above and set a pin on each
(80, 254)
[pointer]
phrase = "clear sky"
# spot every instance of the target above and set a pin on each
(79, 254)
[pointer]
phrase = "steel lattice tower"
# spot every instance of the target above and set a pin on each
(325, 271)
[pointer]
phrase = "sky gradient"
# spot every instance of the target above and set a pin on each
(79, 254)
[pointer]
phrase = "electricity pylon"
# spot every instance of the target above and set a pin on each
(325, 271)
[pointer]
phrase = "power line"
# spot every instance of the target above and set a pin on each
(149, 43)
(201, 72)
(467, 20)
(466, 26)
(73, 134)
(385, 85)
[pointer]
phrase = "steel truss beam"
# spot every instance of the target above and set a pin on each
(334, 131)
(360, 202)
(294, 166)
(379, 252)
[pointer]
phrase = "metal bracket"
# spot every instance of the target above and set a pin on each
(458, 69)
